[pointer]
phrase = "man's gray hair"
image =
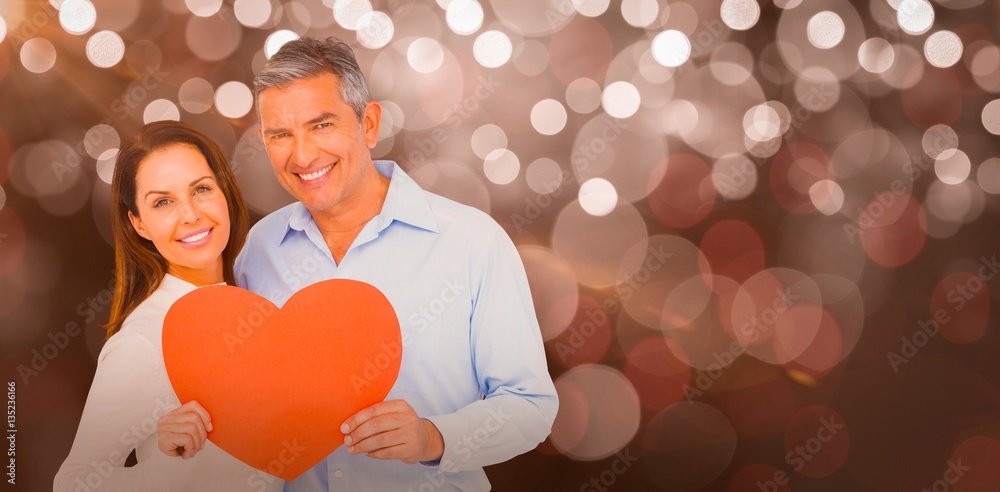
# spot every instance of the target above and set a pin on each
(309, 57)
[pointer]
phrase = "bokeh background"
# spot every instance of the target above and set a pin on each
(761, 236)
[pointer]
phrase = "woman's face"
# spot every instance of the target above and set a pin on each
(183, 212)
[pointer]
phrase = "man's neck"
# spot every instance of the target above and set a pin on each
(349, 216)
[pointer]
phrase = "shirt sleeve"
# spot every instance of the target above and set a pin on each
(129, 394)
(520, 401)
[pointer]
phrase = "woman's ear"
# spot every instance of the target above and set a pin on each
(137, 225)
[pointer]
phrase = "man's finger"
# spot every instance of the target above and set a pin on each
(367, 414)
(381, 440)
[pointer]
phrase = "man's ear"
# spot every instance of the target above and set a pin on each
(370, 125)
(137, 225)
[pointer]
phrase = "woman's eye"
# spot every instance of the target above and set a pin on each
(202, 189)
(159, 203)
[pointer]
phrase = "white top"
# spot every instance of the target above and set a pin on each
(129, 394)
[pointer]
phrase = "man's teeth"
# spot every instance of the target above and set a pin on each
(312, 176)
(196, 237)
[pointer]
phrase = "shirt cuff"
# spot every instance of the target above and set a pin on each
(449, 425)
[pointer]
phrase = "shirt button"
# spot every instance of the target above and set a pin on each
(338, 473)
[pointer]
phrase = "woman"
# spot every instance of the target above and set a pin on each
(179, 221)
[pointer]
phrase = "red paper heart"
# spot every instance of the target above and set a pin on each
(279, 383)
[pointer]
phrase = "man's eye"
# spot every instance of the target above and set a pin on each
(278, 136)
(324, 125)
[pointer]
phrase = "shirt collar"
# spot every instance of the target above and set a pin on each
(405, 201)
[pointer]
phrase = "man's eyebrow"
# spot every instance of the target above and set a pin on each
(326, 115)
(190, 185)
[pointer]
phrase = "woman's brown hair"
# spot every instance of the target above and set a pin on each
(139, 267)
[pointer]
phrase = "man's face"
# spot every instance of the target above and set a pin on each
(318, 148)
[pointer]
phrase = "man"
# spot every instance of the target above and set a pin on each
(473, 386)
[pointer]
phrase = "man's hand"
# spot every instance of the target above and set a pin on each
(391, 430)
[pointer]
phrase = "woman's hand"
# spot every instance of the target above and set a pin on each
(183, 431)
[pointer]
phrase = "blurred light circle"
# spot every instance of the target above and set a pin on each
(659, 375)
(598, 196)
(733, 248)
(734, 176)
(160, 110)
(544, 175)
(947, 202)
(620, 99)
(687, 446)
(233, 99)
(492, 49)
(938, 139)
(488, 138)
(943, 49)
(501, 166)
(533, 18)
(583, 95)
(375, 30)
(99, 139)
(952, 166)
(38, 55)
(892, 229)
(143, 56)
(106, 165)
(599, 263)
(655, 274)
(640, 13)
(787, 4)
(681, 191)
(825, 30)
(3, 198)
(78, 17)
(977, 454)
(762, 123)
(196, 95)
(531, 57)
(548, 117)
(276, 40)
(252, 13)
(105, 49)
(203, 8)
(612, 413)
(464, 16)
(553, 289)
(671, 48)
(740, 14)
(591, 8)
(425, 55)
(876, 55)
(3, 29)
(988, 175)
(826, 196)
(991, 114)
(51, 167)
(348, 13)
(213, 38)
(915, 16)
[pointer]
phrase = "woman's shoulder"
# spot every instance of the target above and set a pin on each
(146, 319)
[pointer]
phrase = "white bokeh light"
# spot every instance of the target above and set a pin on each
(375, 30)
(348, 13)
(827, 196)
(952, 166)
(492, 49)
(78, 17)
(876, 55)
(501, 166)
(106, 165)
(105, 49)
(671, 48)
(38, 55)
(3, 29)
(591, 8)
(640, 13)
(233, 99)
(740, 14)
(548, 117)
(915, 16)
(425, 55)
(620, 99)
(276, 40)
(160, 110)
(464, 16)
(203, 8)
(991, 117)
(825, 30)
(252, 13)
(598, 197)
(943, 49)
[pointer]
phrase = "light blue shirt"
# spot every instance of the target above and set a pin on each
(473, 361)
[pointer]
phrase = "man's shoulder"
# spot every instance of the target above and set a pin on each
(453, 216)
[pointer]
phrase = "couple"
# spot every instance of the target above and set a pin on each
(473, 386)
